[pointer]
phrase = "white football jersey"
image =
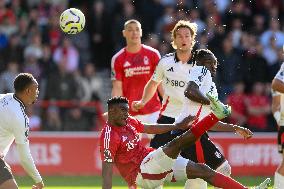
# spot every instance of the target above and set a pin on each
(280, 76)
(174, 76)
(14, 123)
(202, 77)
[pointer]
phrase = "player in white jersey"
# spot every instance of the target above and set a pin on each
(196, 103)
(14, 125)
(278, 112)
(172, 71)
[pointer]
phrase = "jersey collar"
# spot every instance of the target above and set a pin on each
(178, 60)
(17, 99)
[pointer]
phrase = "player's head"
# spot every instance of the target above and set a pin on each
(118, 110)
(26, 86)
(204, 57)
(183, 35)
(132, 32)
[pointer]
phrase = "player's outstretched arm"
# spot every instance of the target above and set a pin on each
(149, 91)
(163, 128)
(28, 164)
(107, 175)
(193, 93)
(227, 127)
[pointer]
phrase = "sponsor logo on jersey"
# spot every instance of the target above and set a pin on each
(171, 69)
(126, 64)
(140, 70)
(175, 83)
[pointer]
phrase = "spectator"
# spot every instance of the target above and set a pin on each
(52, 120)
(75, 120)
(7, 77)
(66, 54)
(258, 108)
(237, 101)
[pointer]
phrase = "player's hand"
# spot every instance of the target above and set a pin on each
(38, 185)
(185, 123)
(244, 132)
(137, 105)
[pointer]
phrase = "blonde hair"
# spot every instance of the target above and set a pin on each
(131, 21)
(184, 24)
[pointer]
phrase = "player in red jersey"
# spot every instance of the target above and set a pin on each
(132, 67)
(149, 168)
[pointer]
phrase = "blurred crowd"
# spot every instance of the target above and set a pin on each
(246, 37)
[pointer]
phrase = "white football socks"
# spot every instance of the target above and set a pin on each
(278, 181)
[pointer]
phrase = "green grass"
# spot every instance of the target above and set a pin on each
(94, 182)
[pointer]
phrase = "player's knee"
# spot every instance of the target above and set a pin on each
(198, 170)
(225, 168)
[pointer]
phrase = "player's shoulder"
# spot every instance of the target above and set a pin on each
(150, 49)
(108, 131)
(201, 69)
(132, 120)
(117, 56)
(282, 66)
(168, 59)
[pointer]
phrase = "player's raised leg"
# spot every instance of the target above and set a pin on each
(219, 111)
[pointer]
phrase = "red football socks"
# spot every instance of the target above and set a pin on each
(225, 182)
(204, 125)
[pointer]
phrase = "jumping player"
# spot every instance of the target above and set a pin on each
(148, 168)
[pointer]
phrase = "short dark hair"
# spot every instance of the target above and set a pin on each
(22, 81)
(117, 100)
(201, 53)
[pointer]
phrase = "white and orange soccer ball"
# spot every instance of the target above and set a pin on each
(72, 21)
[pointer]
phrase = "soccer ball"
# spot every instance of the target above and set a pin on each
(72, 21)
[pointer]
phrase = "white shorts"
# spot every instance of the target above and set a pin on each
(148, 118)
(157, 167)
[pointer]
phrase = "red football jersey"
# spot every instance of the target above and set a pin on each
(134, 70)
(122, 146)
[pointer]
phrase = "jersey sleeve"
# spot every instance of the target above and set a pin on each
(199, 75)
(138, 125)
(20, 130)
(116, 69)
(109, 143)
(158, 73)
(280, 73)
(156, 58)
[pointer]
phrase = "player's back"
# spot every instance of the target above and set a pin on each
(12, 113)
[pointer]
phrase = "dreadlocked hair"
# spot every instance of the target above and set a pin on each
(117, 100)
(201, 53)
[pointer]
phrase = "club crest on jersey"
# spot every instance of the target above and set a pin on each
(146, 60)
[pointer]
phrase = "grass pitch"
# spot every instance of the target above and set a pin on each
(94, 182)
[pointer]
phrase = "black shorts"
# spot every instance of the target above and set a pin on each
(5, 172)
(280, 139)
(162, 139)
(203, 151)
